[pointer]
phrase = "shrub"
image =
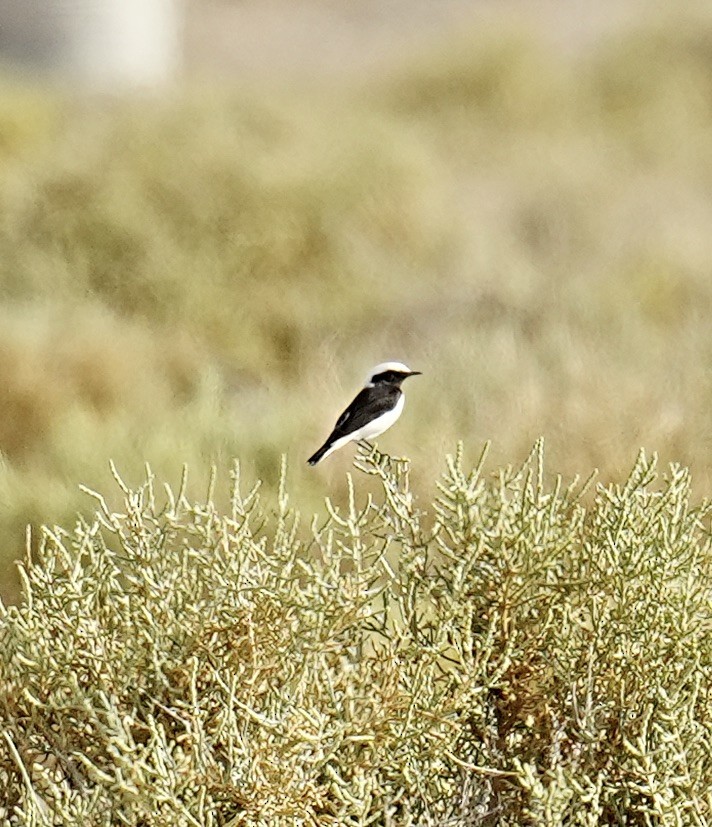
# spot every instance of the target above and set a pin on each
(521, 652)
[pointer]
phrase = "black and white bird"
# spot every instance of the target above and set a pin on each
(375, 408)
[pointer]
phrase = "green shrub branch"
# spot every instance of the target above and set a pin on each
(516, 652)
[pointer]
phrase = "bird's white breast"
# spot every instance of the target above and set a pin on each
(372, 429)
(382, 423)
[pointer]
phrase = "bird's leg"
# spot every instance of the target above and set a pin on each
(399, 460)
(369, 453)
(369, 450)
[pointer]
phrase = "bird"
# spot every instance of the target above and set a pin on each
(374, 409)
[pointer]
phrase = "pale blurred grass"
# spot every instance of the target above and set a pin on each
(212, 275)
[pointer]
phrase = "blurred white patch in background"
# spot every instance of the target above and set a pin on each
(107, 44)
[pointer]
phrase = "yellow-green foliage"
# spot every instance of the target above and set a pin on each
(515, 654)
(210, 274)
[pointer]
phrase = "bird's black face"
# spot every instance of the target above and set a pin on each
(393, 377)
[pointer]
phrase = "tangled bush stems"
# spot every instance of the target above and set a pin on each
(514, 654)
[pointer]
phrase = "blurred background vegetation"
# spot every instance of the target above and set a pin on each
(521, 211)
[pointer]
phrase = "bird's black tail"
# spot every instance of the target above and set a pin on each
(314, 458)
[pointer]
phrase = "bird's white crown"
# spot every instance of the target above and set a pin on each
(384, 366)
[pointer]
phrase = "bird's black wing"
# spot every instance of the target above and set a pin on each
(369, 404)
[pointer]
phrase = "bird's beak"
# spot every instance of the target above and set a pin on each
(415, 373)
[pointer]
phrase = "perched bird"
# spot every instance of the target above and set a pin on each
(372, 412)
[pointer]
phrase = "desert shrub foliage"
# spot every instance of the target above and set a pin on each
(519, 651)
